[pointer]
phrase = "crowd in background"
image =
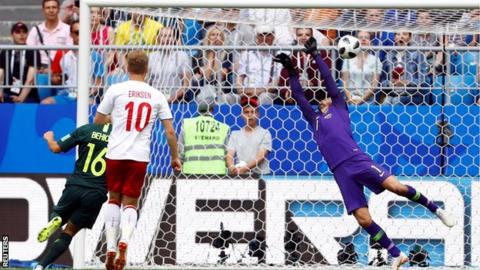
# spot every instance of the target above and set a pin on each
(409, 76)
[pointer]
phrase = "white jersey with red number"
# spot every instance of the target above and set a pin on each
(134, 107)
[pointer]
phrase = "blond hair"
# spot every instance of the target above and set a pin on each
(206, 40)
(137, 62)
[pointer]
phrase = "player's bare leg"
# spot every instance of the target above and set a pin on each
(393, 185)
(112, 221)
(364, 219)
(129, 220)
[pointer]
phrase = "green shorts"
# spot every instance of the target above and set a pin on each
(79, 205)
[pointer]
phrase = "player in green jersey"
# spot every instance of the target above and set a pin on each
(85, 190)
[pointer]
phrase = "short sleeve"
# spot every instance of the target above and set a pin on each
(267, 141)
(71, 140)
(32, 37)
(106, 106)
(164, 111)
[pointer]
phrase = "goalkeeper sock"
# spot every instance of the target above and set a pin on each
(112, 220)
(381, 237)
(56, 249)
(418, 197)
(129, 220)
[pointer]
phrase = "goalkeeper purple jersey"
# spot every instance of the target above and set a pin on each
(331, 130)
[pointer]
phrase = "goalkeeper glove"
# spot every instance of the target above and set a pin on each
(311, 46)
(286, 62)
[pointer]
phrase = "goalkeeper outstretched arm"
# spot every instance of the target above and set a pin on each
(330, 85)
(297, 90)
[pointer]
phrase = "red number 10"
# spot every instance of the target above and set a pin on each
(139, 126)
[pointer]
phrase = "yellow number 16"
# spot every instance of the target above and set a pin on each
(95, 161)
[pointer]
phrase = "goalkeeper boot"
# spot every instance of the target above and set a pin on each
(445, 217)
(49, 229)
(399, 261)
(110, 260)
(122, 256)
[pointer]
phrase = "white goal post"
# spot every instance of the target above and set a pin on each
(84, 59)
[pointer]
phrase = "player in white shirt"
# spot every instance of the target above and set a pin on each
(133, 107)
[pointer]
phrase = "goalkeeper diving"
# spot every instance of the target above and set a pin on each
(351, 167)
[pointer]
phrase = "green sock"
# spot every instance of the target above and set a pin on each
(56, 249)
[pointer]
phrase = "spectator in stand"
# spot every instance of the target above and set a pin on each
(238, 34)
(248, 148)
(361, 75)
(280, 18)
(70, 11)
(309, 76)
(140, 30)
(51, 32)
(374, 19)
(256, 69)
(400, 17)
(170, 70)
(321, 16)
(465, 62)
(103, 61)
(410, 75)
(101, 34)
(113, 17)
(213, 69)
(469, 19)
(18, 67)
(64, 71)
(424, 21)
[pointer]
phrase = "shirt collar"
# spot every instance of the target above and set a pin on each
(208, 114)
(43, 27)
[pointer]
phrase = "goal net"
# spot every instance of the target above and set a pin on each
(414, 106)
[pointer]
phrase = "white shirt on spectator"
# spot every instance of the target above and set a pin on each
(280, 18)
(69, 66)
(246, 146)
(167, 70)
(134, 107)
(360, 78)
(58, 36)
(259, 69)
